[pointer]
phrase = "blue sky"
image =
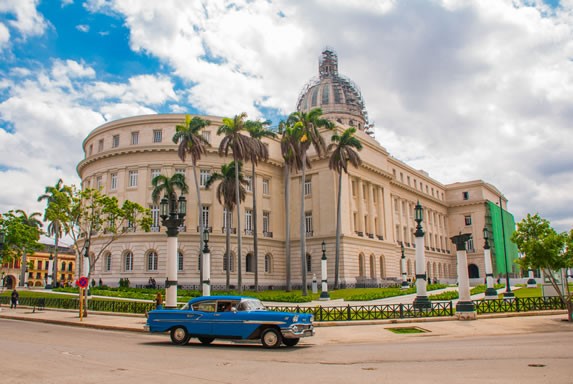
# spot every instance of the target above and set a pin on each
(461, 89)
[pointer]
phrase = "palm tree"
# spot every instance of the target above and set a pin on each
(257, 130)
(54, 196)
(162, 183)
(30, 221)
(192, 142)
(226, 195)
(290, 142)
(309, 124)
(344, 149)
(242, 146)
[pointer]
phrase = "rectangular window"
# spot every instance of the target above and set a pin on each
(466, 195)
(470, 244)
(205, 216)
(248, 221)
(115, 141)
(226, 215)
(134, 138)
(113, 184)
(180, 171)
(128, 262)
(157, 135)
(99, 180)
(307, 187)
(91, 149)
(308, 223)
(100, 145)
(249, 186)
(266, 187)
(266, 221)
(468, 220)
(154, 173)
(179, 261)
(206, 135)
(154, 218)
(132, 179)
(204, 175)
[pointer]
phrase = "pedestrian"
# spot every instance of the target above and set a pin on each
(158, 300)
(14, 299)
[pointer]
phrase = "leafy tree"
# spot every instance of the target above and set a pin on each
(58, 198)
(226, 195)
(344, 150)
(309, 125)
(257, 130)
(242, 146)
(21, 236)
(32, 222)
(546, 249)
(290, 151)
(192, 143)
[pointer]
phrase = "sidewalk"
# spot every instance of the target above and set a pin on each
(332, 332)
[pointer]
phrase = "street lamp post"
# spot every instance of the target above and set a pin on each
(206, 264)
(324, 294)
(490, 292)
(507, 293)
(405, 284)
(172, 213)
(421, 302)
(49, 280)
(465, 307)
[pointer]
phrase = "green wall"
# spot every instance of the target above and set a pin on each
(499, 236)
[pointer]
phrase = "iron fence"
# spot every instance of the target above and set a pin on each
(320, 313)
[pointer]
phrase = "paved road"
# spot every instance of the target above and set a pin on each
(33, 352)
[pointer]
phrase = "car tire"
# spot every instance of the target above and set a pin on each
(179, 336)
(271, 338)
(291, 342)
(206, 340)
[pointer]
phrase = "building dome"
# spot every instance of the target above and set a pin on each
(338, 97)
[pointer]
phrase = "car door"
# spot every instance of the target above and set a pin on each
(227, 322)
(199, 319)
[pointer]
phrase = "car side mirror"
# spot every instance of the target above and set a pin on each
(234, 309)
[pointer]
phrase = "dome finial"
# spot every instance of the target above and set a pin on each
(328, 64)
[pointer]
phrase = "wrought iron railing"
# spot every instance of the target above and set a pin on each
(321, 313)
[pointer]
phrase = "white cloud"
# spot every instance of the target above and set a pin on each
(28, 21)
(4, 35)
(83, 27)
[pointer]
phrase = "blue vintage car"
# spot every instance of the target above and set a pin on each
(230, 317)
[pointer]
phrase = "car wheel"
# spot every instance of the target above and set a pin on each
(271, 338)
(179, 335)
(291, 342)
(206, 340)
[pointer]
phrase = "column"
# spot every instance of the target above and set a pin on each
(465, 307)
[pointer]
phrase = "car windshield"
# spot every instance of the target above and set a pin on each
(250, 305)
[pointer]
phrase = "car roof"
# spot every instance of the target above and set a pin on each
(221, 297)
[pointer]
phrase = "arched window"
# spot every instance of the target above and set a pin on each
(128, 261)
(361, 266)
(152, 260)
(63, 266)
(382, 267)
(232, 261)
(473, 271)
(372, 267)
(107, 262)
(249, 263)
(179, 260)
(268, 263)
(308, 262)
(70, 266)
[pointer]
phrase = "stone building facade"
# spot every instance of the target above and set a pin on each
(378, 200)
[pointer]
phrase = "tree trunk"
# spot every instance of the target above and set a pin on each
(228, 251)
(287, 229)
(239, 238)
(303, 228)
(338, 224)
(200, 222)
(55, 266)
(255, 232)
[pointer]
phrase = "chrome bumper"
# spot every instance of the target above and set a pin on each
(296, 331)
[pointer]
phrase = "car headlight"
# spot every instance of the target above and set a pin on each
(295, 328)
(295, 318)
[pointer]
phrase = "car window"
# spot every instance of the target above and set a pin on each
(204, 306)
(224, 306)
